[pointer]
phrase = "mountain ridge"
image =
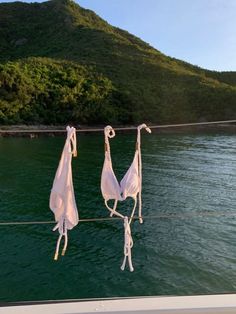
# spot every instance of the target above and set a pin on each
(153, 86)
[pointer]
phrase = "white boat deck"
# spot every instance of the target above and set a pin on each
(214, 304)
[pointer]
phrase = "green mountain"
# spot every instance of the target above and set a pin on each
(62, 63)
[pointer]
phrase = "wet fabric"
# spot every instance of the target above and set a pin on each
(130, 186)
(62, 198)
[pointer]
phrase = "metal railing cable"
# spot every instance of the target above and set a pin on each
(161, 126)
(158, 216)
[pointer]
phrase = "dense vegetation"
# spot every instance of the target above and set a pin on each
(45, 91)
(61, 63)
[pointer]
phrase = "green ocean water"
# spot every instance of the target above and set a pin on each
(182, 174)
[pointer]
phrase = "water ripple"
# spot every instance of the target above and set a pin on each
(181, 174)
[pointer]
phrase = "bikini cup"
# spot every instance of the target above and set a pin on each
(62, 199)
(130, 185)
(109, 184)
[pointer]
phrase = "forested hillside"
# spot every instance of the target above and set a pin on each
(60, 63)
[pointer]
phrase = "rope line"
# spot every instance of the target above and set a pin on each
(121, 128)
(160, 216)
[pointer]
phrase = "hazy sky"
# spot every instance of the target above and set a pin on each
(202, 32)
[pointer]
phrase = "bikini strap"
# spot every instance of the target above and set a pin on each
(138, 148)
(109, 133)
(71, 136)
(113, 210)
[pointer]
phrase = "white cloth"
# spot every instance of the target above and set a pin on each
(130, 186)
(128, 244)
(62, 199)
(130, 183)
(109, 185)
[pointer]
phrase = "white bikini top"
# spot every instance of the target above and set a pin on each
(62, 199)
(131, 184)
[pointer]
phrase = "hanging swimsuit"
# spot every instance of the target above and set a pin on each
(62, 199)
(130, 186)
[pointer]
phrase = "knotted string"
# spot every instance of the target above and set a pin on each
(133, 211)
(113, 210)
(71, 137)
(138, 147)
(61, 226)
(128, 244)
(109, 133)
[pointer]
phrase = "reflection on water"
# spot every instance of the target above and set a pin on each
(181, 174)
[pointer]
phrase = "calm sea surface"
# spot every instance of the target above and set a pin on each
(182, 174)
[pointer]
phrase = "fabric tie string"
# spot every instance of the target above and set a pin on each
(138, 146)
(61, 226)
(128, 244)
(71, 136)
(109, 133)
(113, 210)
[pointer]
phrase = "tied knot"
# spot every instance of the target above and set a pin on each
(62, 229)
(128, 244)
(71, 137)
(109, 131)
